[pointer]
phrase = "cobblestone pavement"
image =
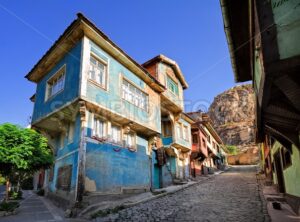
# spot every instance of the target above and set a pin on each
(231, 196)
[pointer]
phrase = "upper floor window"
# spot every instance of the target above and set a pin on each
(116, 134)
(134, 95)
(56, 83)
(129, 139)
(167, 128)
(71, 132)
(195, 138)
(178, 130)
(172, 86)
(99, 128)
(203, 143)
(208, 138)
(98, 71)
(185, 133)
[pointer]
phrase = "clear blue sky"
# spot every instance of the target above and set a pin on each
(190, 32)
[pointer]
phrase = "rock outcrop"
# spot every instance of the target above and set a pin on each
(233, 116)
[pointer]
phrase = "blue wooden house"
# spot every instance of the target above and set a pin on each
(101, 113)
(175, 139)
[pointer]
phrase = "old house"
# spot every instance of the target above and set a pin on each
(208, 149)
(263, 39)
(199, 150)
(100, 111)
(175, 140)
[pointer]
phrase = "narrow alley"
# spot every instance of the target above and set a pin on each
(231, 196)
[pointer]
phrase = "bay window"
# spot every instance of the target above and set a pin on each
(134, 95)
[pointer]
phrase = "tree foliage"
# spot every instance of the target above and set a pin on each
(22, 151)
(232, 149)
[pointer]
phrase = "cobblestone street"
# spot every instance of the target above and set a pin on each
(231, 196)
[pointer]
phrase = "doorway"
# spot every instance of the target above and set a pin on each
(279, 172)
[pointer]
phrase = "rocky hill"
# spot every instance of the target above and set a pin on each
(232, 114)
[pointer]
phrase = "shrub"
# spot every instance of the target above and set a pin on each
(2, 180)
(232, 149)
(8, 206)
(13, 195)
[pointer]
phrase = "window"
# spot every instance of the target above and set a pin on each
(167, 128)
(195, 138)
(286, 158)
(208, 138)
(179, 130)
(134, 95)
(61, 140)
(185, 133)
(97, 71)
(99, 128)
(64, 176)
(172, 86)
(129, 139)
(56, 83)
(71, 133)
(203, 143)
(115, 134)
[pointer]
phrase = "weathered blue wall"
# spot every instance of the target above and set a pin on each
(111, 167)
(112, 99)
(168, 171)
(167, 140)
(71, 89)
(67, 155)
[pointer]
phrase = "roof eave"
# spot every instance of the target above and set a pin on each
(82, 23)
(239, 76)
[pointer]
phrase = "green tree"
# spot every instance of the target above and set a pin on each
(232, 149)
(23, 151)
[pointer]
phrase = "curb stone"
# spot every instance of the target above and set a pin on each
(263, 200)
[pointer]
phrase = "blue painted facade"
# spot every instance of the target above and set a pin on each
(111, 98)
(98, 165)
(43, 107)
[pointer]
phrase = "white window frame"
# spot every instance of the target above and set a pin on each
(117, 140)
(179, 130)
(62, 140)
(134, 95)
(185, 133)
(57, 82)
(133, 140)
(71, 130)
(96, 81)
(169, 78)
(95, 124)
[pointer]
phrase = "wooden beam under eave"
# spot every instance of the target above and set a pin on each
(283, 112)
(283, 136)
(280, 121)
(290, 89)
